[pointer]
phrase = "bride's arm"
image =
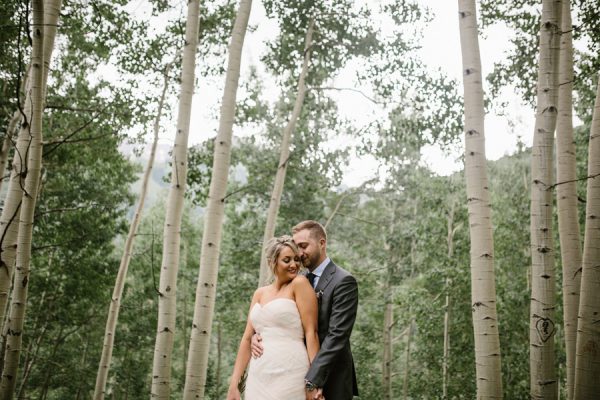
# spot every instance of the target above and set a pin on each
(243, 355)
(306, 301)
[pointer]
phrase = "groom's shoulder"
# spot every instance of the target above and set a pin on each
(341, 272)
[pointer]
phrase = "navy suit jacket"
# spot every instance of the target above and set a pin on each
(333, 366)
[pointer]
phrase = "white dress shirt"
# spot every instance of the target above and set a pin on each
(319, 271)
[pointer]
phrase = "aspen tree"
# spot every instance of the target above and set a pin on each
(9, 226)
(388, 324)
(115, 301)
(483, 286)
(165, 333)
(11, 131)
(284, 156)
(587, 363)
(26, 213)
(407, 357)
(388, 313)
(451, 229)
(566, 195)
(197, 362)
(543, 383)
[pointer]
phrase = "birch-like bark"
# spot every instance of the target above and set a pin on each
(566, 195)
(587, 364)
(542, 326)
(483, 286)
(167, 299)
(34, 162)
(9, 227)
(284, 156)
(7, 143)
(197, 362)
(115, 303)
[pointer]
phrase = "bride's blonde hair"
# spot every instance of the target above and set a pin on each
(274, 247)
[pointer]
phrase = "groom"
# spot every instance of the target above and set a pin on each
(331, 373)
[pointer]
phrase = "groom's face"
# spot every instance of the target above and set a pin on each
(310, 248)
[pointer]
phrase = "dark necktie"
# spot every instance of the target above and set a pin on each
(311, 278)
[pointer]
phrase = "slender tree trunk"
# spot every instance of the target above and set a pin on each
(30, 353)
(7, 143)
(388, 323)
(48, 376)
(115, 304)
(204, 304)
(184, 319)
(167, 310)
(566, 195)
(587, 364)
(218, 367)
(407, 359)
(483, 286)
(388, 316)
(284, 156)
(34, 162)
(9, 226)
(336, 208)
(543, 297)
(446, 352)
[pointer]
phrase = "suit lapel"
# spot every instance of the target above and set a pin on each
(326, 277)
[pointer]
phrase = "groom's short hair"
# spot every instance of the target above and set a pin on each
(316, 230)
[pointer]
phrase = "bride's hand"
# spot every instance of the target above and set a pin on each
(256, 345)
(234, 394)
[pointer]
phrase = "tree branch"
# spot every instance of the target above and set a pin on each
(349, 89)
(573, 180)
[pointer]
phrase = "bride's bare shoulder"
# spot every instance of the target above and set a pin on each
(300, 280)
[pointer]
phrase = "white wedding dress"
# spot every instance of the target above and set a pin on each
(279, 373)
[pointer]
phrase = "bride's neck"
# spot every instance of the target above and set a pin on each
(279, 284)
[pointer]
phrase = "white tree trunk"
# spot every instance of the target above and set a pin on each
(284, 157)
(115, 303)
(167, 311)
(542, 325)
(197, 362)
(483, 286)
(587, 364)
(566, 195)
(7, 143)
(34, 163)
(9, 226)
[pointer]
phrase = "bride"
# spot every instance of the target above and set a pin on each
(285, 315)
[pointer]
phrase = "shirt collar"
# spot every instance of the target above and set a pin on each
(319, 270)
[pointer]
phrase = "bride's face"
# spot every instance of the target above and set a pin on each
(288, 264)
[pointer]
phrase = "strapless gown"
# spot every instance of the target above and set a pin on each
(279, 373)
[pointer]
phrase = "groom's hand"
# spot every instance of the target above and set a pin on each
(256, 345)
(318, 394)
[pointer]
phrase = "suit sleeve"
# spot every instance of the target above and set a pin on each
(341, 321)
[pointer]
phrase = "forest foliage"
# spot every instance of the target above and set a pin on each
(391, 232)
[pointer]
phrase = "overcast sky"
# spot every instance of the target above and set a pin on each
(441, 48)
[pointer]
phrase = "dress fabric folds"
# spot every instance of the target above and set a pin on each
(279, 373)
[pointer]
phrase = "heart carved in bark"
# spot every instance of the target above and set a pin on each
(545, 328)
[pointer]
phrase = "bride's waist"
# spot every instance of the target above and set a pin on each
(281, 333)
